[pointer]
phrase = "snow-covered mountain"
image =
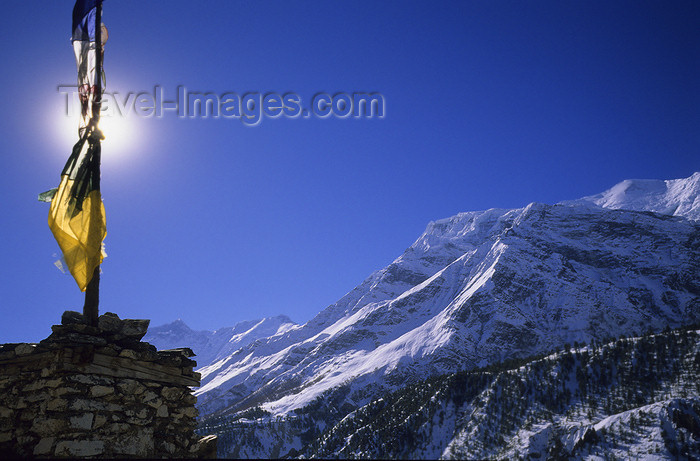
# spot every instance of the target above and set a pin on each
(676, 197)
(212, 345)
(478, 288)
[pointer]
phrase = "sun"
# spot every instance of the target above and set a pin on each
(120, 140)
(117, 132)
(120, 133)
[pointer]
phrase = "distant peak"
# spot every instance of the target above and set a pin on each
(280, 318)
(676, 197)
(178, 325)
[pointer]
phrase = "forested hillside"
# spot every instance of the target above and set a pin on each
(633, 395)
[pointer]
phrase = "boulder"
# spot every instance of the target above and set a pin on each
(72, 318)
(135, 328)
(110, 322)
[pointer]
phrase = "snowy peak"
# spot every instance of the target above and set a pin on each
(177, 334)
(675, 197)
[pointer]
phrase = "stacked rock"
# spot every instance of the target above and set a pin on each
(99, 392)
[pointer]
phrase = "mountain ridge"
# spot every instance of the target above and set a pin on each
(379, 329)
(675, 197)
(479, 287)
(209, 345)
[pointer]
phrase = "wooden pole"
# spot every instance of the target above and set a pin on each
(92, 292)
(92, 299)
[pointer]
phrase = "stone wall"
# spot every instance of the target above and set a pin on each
(98, 392)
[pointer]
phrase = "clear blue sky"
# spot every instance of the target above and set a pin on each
(488, 104)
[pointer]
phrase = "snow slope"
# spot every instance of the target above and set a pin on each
(676, 197)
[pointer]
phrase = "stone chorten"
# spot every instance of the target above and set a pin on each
(99, 392)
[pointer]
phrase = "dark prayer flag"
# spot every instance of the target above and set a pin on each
(77, 216)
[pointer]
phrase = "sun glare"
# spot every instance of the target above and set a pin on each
(117, 145)
(118, 134)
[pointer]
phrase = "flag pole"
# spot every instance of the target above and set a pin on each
(92, 292)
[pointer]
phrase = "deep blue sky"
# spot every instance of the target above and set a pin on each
(488, 104)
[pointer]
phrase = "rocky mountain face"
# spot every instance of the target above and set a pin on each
(473, 290)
